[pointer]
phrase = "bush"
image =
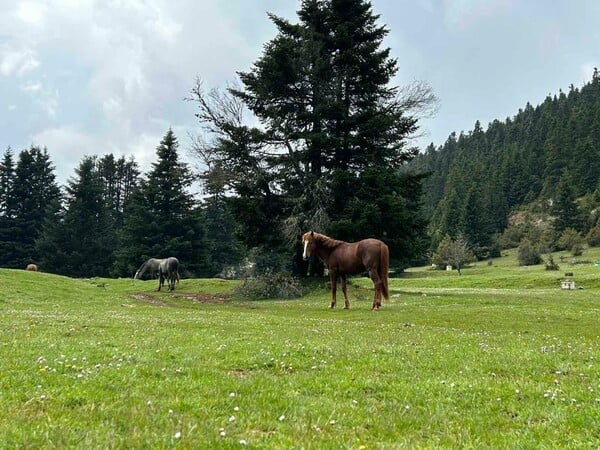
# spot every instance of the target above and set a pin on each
(550, 264)
(270, 285)
(512, 235)
(453, 252)
(593, 237)
(571, 240)
(528, 254)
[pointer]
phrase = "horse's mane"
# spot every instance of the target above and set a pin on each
(326, 241)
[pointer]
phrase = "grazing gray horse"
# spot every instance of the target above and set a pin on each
(167, 268)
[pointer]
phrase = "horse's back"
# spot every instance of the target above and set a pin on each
(169, 264)
(346, 258)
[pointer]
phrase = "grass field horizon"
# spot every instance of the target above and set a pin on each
(499, 357)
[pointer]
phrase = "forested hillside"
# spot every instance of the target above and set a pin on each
(539, 171)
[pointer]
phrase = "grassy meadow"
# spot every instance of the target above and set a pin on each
(499, 357)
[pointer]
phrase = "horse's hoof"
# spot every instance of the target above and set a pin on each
(346, 307)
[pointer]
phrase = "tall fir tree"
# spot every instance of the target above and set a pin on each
(82, 240)
(331, 119)
(35, 195)
(564, 205)
(162, 218)
(118, 178)
(7, 180)
(8, 247)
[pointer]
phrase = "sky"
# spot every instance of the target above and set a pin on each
(85, 77)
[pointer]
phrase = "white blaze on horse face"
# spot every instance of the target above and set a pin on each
(305, 254)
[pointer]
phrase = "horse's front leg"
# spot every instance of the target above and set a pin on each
(333, 281)
(345, 291)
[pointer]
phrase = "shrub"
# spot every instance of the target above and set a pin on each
(550, 264)
(528, 254)
(570, 239)
(511, 236)
(454, 252)
(270, 285)
(593, 237)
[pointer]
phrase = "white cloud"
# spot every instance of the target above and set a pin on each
(66, 147)
(17, 61)
(46, 99)
(587, 71)
(32, 86)
(31, 13)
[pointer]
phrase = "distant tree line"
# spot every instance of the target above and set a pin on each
(532, 177)
(109, 218)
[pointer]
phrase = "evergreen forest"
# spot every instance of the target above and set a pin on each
(529, 179)
(314, 135)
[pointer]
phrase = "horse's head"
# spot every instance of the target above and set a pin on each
(308, 243)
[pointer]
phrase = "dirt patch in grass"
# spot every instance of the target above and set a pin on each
(148, 299)
(239, 373)
(203, 298)
(194, 297)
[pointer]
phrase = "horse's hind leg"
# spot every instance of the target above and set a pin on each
(345, 291)
(378, 285)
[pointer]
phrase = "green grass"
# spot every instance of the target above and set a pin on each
(498, 357)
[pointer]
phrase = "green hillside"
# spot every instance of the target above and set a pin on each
(498, 357)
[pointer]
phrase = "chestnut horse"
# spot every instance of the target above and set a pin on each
(345, 258)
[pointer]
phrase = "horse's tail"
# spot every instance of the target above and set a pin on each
(384, 268)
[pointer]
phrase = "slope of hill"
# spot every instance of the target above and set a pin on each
(499, 357)
(547, 156)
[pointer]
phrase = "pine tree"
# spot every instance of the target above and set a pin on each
(36, 195)
(8, 247)
(7, 179)
(331, 119)
(564, 207)
(162, 218)
(84, 243)
(224, 247)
